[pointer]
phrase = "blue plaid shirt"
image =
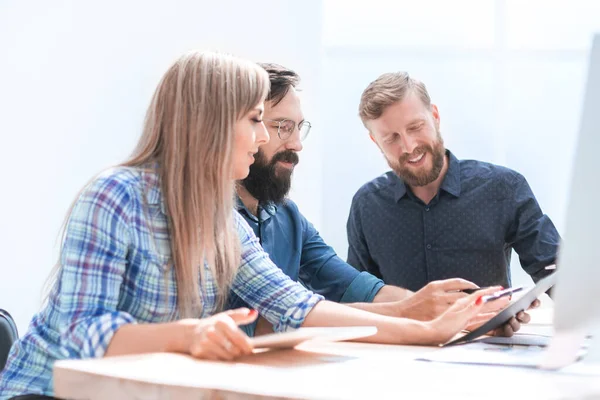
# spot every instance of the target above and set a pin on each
(114, 272)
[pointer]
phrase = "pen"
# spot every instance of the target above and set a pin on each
(500, 294)
(471, 291)
(468, 291)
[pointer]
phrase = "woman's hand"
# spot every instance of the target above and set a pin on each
(461, 314)
(218, 337)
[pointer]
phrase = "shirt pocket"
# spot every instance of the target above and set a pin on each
(152, 285)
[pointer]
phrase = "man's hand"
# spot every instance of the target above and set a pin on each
(514, 324)
(434, 299)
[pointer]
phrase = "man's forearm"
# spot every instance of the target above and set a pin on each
(388, 301)
(390, 293)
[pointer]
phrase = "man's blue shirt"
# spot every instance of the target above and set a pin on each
(468, 230)
(295, 246)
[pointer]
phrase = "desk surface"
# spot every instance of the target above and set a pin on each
(315, 370)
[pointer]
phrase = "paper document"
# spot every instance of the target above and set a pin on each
(488, 354)
(517, 340)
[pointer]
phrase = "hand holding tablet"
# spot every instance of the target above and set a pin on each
(512, 309)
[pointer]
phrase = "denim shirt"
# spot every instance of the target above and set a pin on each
(298, 250)
(468, 230)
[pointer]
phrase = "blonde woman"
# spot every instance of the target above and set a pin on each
(152, 247)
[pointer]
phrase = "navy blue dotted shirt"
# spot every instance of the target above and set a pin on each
(481, 212)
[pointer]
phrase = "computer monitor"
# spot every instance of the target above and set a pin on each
(576, 293)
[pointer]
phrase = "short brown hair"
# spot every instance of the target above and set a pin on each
(386, 90)
(282, 80)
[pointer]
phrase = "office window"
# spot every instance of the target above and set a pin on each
(507, 75)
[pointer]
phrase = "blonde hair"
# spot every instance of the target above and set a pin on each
(189, 133)
(386, 90)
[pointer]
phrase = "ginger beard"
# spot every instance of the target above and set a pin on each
(413, 168)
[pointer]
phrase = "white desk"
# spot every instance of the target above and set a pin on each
(315, 371)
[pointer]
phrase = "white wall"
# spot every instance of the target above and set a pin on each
(75, 80)
(507, 75)
(76, 77)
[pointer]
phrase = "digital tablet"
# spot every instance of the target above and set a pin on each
(293, 338)
(512, 309)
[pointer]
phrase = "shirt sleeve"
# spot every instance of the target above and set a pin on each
(93, 262)
(359, 255)
(532, 234)
(323, 272)
(281, 301)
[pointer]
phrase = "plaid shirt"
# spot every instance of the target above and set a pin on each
(114, 272)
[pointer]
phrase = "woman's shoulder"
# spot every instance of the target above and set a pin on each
(118, 176)
(122, 188)
(123, 180)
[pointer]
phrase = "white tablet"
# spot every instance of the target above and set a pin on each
(294, 338)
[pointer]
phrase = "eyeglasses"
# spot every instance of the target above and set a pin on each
(286, 127)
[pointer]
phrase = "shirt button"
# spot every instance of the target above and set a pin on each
(429, 246)
(426, 208)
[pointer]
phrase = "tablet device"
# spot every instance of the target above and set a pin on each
(293, 338)
(510, 310)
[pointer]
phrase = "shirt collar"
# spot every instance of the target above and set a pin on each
(266, 210)
(450, 183)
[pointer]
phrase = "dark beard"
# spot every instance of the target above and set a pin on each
(438, 152)
(268, 183)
